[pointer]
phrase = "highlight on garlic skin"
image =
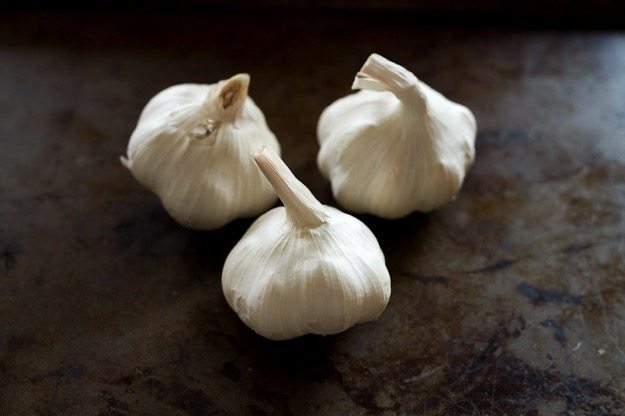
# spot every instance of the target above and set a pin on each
(191, 148)
(304, 267)
(396, 146)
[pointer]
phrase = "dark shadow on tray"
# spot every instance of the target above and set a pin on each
(153, 233)
(307, 357)
(395, 235)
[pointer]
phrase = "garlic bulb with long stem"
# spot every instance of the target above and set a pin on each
(304, 267)
(191, 147)
(396, 146)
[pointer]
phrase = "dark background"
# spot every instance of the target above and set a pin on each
(537, 13)
(509, 300)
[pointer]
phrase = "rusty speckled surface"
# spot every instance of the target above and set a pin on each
(510, 300)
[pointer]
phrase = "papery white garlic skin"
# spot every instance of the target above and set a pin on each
(305, 267)
(192, 147)
(396, 146)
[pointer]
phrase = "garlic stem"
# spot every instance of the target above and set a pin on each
(300, 204)
(380, 74)
(231, 97)
(234, 92)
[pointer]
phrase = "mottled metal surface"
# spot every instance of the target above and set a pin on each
(510, 300)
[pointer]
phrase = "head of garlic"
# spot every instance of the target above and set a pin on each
(396, 146)
(191, 147)
(304, 267)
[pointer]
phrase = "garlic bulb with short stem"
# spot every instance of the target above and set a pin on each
(191, 148)
(304, 267)
(396, 146)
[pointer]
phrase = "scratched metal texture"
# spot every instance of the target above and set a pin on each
(509, 300)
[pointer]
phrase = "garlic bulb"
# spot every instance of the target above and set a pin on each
(396, 146)
(305, 267)
(191, 147)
